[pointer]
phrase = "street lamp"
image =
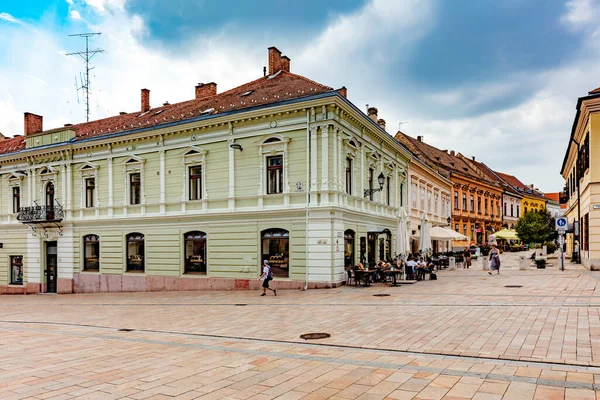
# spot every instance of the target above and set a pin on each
(381, 180)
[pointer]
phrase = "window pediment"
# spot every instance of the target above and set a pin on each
(193, 155)
(275, 139)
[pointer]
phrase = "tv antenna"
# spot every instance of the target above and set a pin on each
(400, 124)
(84, 82)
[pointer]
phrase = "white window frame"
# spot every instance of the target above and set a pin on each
(15, 180)
(272, 149)
(130, 168)
(351, 149)
(43, 180)
(193, 157)
(89, 171)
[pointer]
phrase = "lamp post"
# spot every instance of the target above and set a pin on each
(380, 180)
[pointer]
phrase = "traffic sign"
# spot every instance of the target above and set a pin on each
(561, 223)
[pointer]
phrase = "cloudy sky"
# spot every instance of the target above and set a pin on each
(497, 80)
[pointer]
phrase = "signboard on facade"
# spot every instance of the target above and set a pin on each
(595, 206)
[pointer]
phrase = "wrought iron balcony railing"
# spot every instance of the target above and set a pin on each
(39, 214)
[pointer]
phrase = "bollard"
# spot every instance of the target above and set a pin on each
(485, 264)
(522, 263)
(452, 264)
(544, 251)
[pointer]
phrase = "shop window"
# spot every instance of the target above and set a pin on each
(90, 192)
(349, 248)
(135, 252)
(16, 270)
(195, 182)
(349, 175)
(274, 174)
(16, 199)
(91, 253)
(275, 248)
(135, 183)
(195, 252)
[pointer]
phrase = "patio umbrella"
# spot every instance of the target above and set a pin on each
(504, 234)
(402, 239)
(425, 239)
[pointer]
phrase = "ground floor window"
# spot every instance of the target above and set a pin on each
(135, 252)
(349, 248)
(195, 252)
(276, 250)
(16, 270)
(91, 253)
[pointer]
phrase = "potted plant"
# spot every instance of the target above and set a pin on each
(540, 263)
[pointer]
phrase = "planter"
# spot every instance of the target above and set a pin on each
(540, 263)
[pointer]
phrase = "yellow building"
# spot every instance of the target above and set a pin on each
(581, 171)
(533, 199)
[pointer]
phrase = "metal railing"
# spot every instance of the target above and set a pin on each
(40, 214)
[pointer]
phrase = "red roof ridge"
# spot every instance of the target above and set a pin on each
(597, 90)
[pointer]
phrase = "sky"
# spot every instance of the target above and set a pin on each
(498, 80)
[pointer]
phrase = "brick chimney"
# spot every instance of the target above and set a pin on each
(372, 113)
(145, 100)
(381, 123)
(285, 63)
(277, 62)
(204, 90)
(420, 138)
(452, 152)
(343, 91)
(33, 123)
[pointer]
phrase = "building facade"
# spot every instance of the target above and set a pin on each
(195, 195)
(581, 171)
(553, 204)
(476, 210)
(532, 199)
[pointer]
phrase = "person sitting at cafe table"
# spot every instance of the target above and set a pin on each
(421, 268)
(411, 266)
(360, 266)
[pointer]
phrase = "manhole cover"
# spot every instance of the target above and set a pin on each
(313, 336)
(513, 286)
(125, 330)
(381, 295)
(240, 305)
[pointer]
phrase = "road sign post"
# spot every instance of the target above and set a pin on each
(561, 225)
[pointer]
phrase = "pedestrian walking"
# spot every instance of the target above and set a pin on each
(494, 260)
(467, 256)
(266, 276)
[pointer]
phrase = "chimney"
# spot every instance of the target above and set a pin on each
(372, 113)
(166, 103)
(204, 90)
(420, 138)
(473, 157)
(274, 60)
(145, 100)
(343, 91)
(33, 123)
(452, 152)
(381, 123)
(67, 125)
(285, 63)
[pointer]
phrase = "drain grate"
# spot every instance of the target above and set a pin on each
(313, 336)
(125, 330)
(513, 286)
(382, 295)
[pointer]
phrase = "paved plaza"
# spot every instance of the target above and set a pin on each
(467, 335)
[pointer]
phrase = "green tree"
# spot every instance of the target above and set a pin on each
(536, 227)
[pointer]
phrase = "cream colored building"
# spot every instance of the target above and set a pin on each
(195, 195)
(581, 171)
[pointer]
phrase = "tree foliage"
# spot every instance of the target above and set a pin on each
(536, 227)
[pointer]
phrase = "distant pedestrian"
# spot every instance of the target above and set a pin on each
(494, 260)
(467, 256)
(266, 276)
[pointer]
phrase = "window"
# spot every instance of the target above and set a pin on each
(195, 182)
(275, 250)
(505, 209)
(195, 252)
(472, 202)
(274, 174)
(135, 252)
(465, 229)
(414, 195)
(472, 232)
(517, 211)
(423, 199)
(402, 195)
(50, 201)
(16, 270)
(371, 184)
(586, 232)
(388, 191)
(90, 189)
(511, 210)
(456, 200)
(349, 248)
(91, 253)
(349, 175)
(429, 200)
(443, 207)
(135, 182)
(435, 203)
(525, 210)
(16, 198)
(464, 202)
(486, 207)
(456, 228)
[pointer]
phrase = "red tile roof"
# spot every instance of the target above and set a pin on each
(597, 90)
(514, 182)
(555, 196)
(493, 175)
(265, 90)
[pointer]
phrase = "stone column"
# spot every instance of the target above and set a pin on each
(325, 164)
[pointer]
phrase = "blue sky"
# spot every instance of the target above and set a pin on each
(494, 79)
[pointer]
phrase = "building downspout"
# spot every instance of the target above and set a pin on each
(578, 209)
(307, 193)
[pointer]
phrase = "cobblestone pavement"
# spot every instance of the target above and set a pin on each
(464, 336)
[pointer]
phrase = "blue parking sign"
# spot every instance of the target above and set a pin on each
(561, 223)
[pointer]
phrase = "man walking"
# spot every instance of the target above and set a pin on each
(266, 276)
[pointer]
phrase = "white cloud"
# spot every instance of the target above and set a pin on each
(103, 5)
(74, 14)
(7, 17)
(581, 14)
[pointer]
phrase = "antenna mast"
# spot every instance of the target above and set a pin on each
(87, 55)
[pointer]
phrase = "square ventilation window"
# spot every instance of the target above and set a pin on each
(249, 92)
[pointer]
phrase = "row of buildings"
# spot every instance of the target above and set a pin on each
(195, 195)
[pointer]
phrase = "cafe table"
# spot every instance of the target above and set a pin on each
(364, 275)
(393, 272)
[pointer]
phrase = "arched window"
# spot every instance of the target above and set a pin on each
(50, 201)
(195, 252)
(135, 252)
(349, 248)
(272, 140)
(276, 250)
(91, 253)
